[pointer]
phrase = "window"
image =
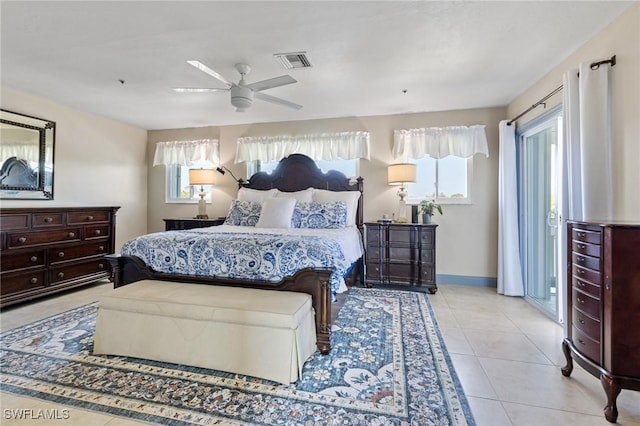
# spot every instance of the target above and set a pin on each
(178, 189)
(448, 177)
(348, 167)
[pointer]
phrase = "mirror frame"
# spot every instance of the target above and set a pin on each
(43, 189)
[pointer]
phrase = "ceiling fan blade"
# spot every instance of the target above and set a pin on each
(283, 80)
(202, 67)
(197, 90)
(275, 100)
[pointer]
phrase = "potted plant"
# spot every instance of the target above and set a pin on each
(427, 208)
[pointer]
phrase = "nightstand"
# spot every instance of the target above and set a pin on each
(190, 223)
(401, 255)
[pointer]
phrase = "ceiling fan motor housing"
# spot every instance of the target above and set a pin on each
(241, 97)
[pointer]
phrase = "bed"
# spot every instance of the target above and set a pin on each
(294, 174)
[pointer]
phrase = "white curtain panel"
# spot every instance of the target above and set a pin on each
(321, 146)
(440, 142)
(23, 150)
(510, 281)
(587, 123)
(185, 153)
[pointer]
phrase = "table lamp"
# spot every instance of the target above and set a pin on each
(401, 174)
(202, 177)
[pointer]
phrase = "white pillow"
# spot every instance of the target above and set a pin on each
(276, 213)
(349, 197)
(304, 196)
(256, 195)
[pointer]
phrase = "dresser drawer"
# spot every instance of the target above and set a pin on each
(66, 253)
(586, 287)
(586, 274)
(70, 271)
(42, 220)
(586, 236)
(96, 231)
(401, 234)
(427, 237)
(587, 325)
(428, 256)
(25, 281)
(23, 259)
(84, 217)
(586, 261)
(401, 253)
(586, 304)
(26, 239)
(589, 347)
(14, 221)
(427, 273)
(373, 235)
(586, 248)
(373, 253)
(375, 271)
(405, 273)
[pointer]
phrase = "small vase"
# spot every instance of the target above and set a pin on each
(426, 218)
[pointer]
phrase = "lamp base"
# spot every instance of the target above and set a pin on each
(202, 216)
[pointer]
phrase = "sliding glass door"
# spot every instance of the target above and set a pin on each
(539, 176)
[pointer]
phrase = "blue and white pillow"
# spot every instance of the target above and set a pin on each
(317, 215)
(243, 213)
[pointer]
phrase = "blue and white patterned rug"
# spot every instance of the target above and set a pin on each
(388, 366)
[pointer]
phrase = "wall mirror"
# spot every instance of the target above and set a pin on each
(26, 156)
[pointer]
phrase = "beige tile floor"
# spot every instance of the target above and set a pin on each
(506, 353)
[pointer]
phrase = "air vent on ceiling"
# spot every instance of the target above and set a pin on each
(293, 60)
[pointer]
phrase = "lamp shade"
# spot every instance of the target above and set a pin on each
(397, 174)
(202, 177)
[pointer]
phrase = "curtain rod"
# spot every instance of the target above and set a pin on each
(593, 66)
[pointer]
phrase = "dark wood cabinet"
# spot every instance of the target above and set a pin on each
(401, 255)
(603, 306)
(189, 223)
(46, 250)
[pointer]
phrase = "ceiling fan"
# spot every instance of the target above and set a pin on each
(242, 94)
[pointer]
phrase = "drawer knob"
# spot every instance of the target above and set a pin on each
(580, 320)
(580, 271)
(34, 258)
(48, 219)
(580, 259)
(101, 248)
(581, 234)
(72, 234)
(581, 246)
(60, 274)
(33, 280)
(581, 341)
(22, 240)
(89, 218)
(580, 283)
(60, 254)
(97, 232)
(100, 265)
(579, 300)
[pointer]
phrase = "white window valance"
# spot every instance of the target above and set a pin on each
(440, 142)
(322, 146)
(185, 153)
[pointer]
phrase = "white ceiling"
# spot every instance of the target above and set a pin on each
(445, 54)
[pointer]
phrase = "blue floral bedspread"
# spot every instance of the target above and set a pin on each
(267, 257)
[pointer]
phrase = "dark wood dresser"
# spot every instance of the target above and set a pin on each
(189, 223)
(401, 255)
(46, 250)
(603, 306)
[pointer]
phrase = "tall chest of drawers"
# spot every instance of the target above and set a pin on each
(603, 306)
(46, 250)
(401, 255)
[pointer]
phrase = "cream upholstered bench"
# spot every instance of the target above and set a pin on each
(261, 333)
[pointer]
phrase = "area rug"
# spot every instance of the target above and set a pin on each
(388, 366)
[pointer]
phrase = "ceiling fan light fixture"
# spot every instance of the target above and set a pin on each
(241, 97)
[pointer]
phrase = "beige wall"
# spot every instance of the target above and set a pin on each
(620, 38)
(467, 234)
(98, 162)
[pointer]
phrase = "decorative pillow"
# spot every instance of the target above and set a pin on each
(349, 197)
(276, 213)
(304, 196)
(246, 194)
(318, 215)
(243, 213)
